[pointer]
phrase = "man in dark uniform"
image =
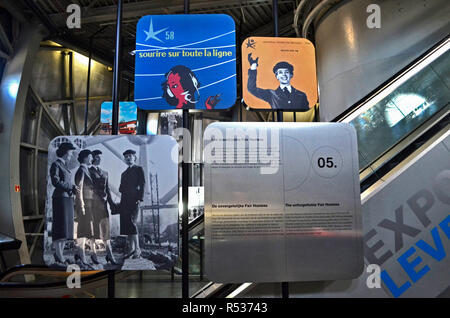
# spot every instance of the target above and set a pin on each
(102, 196)
(285, 97)
(132, 184)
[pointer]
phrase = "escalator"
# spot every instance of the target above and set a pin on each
(403, 132)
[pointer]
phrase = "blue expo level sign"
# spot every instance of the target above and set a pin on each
(185, 62)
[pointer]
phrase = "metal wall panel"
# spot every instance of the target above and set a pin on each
(46, 75)
(47, 81)
(13, 92)
(101, 78)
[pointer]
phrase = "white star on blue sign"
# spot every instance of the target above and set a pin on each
(152, 34)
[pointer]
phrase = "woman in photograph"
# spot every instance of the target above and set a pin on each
(62, 200)
(132, 184)
(102, 196)
(84, 208)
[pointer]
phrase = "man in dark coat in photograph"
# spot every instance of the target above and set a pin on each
(285, 97)
(132, 184)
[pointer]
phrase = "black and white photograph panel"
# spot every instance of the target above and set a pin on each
(170, 121)
(112, 202)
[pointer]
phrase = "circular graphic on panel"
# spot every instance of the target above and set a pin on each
(296, 163)
(327, 162)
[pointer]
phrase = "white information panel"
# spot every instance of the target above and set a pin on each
(282, 202)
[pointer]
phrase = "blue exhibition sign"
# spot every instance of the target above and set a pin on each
(185, 62)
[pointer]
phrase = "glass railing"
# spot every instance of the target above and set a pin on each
(403, 105)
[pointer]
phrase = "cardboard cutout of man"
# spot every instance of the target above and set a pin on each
(285, 97)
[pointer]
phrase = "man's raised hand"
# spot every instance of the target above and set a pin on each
(252, 61)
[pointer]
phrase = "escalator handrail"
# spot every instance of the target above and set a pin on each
(372, 168)
(390, 80)
(392, 162)
(199, 219)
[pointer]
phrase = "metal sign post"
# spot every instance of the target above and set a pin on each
(88, 81)
(115, 112)
(185, 193)
(284, 285)
(275, 26)
(117, 71)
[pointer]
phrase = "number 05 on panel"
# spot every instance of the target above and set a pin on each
(282, 202)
